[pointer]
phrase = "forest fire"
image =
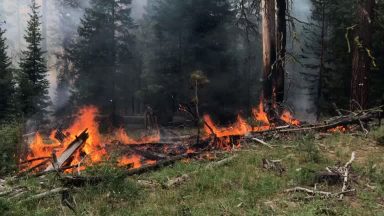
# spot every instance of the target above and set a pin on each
(241, 127)
(95, 149)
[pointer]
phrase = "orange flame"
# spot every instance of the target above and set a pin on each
(94, 148)
(123, 137)
(135, 160)
(288, 118)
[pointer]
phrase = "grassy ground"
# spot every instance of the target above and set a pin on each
(241, 187)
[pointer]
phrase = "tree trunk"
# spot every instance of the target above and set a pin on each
(361, 60)
(268, 13)
(281, 42)
(322, 59)
(45, 25)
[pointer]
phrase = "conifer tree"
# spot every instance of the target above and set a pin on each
(103, 55)
(33, 84)
(7, 87)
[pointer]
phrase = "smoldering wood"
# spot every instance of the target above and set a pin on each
(34, 159)
(354, 118)
(85, 180)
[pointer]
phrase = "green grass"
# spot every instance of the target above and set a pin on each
(241, 187)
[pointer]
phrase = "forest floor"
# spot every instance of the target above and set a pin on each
(241, 187)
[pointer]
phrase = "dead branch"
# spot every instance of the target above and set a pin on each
(323, 194)
(262, 142)
(186, 177)
(46, 194)
(346, 174)
(177, 181)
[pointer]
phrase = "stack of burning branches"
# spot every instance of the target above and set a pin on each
(72, 152)
(81, 145)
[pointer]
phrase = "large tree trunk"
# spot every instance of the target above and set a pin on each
(322, 59)
(281, 42)
(268, 13)
(361, 61)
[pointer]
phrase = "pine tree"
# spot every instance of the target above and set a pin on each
(189, 36)
(103, 55)
(7, 87)
(33, 84)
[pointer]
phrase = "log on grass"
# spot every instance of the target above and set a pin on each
(91, 180)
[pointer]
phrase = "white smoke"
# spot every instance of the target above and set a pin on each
(15, 15)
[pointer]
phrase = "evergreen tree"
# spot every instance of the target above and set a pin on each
(68, 11)
(103, 56)
(189, 36)
(7, 88)
(33, 84)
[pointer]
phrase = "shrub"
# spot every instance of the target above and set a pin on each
(10, 139)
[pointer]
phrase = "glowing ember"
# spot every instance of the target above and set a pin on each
(340, 129)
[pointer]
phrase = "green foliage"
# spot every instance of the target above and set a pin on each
(7, 85)
(309, 149)
(10, 139)
(33, 84)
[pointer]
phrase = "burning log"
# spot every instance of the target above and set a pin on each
(339, 121)
(34, 159)
(67, 154)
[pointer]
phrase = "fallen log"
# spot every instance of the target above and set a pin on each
(34, 159)
(84, 180)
